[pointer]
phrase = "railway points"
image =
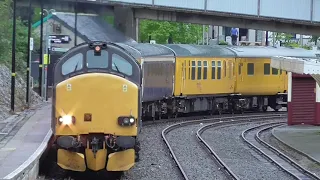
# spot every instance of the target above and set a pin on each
(174, 152)
(22, 147)
(241, 160)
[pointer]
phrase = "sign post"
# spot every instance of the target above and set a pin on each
(29, 71)
(46, 69)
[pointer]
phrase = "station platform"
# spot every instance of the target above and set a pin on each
(304, 138)
(22, 144)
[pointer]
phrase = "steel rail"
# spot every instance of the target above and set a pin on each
(282, 155)
(227, 170)
(217, 120)
(259, 151)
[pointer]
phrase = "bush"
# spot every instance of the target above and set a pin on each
(6, 28)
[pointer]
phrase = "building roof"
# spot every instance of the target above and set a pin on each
(268, 51)
(90, 27)
(310, 66)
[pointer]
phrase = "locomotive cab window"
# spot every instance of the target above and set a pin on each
(266, 68)
(119, 64)
(199, 69)
(97, 61)
(74, 63)
(193, 70)
(250, 69)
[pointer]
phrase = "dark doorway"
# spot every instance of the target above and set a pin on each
(243, 32)
(227, 31)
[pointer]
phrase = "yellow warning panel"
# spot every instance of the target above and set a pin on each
(96, 163)
(71, 160)
(46, 59)
(121, 161)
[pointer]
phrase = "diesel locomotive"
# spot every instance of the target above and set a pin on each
(96, 108)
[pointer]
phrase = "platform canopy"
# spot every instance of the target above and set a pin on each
(309, 66)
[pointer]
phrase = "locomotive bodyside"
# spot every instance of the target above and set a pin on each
(96, 108)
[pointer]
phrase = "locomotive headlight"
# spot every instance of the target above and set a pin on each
(67, 120)
(126, 121)
(131, 120)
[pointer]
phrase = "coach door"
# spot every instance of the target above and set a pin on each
(183, 75)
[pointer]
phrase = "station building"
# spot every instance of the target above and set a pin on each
(303, 88)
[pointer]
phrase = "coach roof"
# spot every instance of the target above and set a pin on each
(191, 50)
(268, 52)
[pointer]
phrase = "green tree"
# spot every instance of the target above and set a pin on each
(314, 39)
(36, 15)
(160, 31)
(6, 38)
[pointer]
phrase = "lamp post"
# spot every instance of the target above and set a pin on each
(47, 46)
(30, 48)
(13, 68)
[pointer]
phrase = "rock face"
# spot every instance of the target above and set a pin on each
(20, 93)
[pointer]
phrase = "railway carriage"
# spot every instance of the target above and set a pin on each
(218, 79)
(256, 82)
(158, 66)
(96, 108)
(204, 77)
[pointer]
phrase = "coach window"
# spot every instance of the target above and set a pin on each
(205, 69)
(121, 65)
(213, 70)
(274, 71)
(240, 68)
(74, 63)
(250, 69)
(219, 70)
(280, 71)
(184, 69)
(189, 67)
(97, 61)
(193, 70)
(199, 69)
(230, 69)
(225, 68)
(266, 68)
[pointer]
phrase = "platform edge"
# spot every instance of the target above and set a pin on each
(27, 168)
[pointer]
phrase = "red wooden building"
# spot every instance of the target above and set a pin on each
(303, 88)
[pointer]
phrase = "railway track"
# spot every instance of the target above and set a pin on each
(252, 137)
(163, 123)
(218, 121)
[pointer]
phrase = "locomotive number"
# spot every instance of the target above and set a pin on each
(69, 87)
(124, 88)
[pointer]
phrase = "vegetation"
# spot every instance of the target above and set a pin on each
(287, 41)
(6, 38)
(160, 31)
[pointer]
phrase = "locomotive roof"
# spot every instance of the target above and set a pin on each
(139, 50)
(267, 52)
(187, 50)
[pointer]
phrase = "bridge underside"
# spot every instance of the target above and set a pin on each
(126, 18)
